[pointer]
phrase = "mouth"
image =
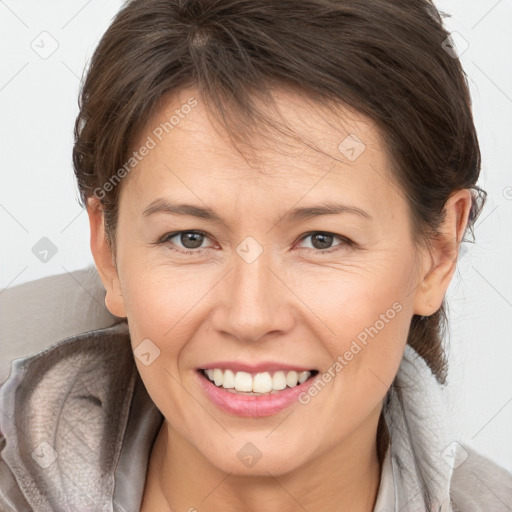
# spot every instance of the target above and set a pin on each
(256, 384)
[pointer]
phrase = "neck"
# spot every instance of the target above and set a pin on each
(180, 478)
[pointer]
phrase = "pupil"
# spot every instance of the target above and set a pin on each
(194, 242)
(325, 240)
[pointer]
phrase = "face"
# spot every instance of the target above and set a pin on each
(255, 276)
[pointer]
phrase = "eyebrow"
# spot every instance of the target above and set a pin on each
(297, 214)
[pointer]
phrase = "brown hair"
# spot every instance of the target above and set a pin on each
(384, 58)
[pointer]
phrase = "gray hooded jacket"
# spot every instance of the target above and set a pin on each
(77, 426)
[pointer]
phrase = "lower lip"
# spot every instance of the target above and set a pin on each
(253, 405)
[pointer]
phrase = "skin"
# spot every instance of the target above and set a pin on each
(292, 304)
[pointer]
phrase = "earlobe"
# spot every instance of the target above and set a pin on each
(104, 259)
(440, 261)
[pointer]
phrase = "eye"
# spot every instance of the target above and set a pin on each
(320, 241)
(189, 241)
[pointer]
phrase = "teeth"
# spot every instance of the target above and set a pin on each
(303, 376)
(218, 377)
(262, 383)
(228, 381)
(243, 381)
(279, 381)
(258, 383)
(292, 379)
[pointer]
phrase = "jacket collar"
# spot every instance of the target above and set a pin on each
(79, 426)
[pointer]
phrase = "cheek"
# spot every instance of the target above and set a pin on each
(159, 301)
(365, 317)
(159, 309)
(164, 305)
(365, 302)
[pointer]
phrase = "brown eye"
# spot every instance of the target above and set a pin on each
(323, 242)
(191, 239)
(185, 241)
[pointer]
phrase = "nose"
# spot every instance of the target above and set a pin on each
(255, 302)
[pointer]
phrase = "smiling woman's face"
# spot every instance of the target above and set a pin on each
(268, 282)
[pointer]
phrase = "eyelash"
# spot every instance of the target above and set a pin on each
(345, 242)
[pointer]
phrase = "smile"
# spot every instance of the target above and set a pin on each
(259, 394)
(258, 383)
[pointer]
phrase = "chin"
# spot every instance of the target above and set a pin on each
(246, 458)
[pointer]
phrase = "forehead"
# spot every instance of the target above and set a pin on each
(340, 152)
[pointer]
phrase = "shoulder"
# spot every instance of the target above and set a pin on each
(478, 484)
(40, 313)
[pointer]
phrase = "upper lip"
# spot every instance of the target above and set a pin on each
(265, 366)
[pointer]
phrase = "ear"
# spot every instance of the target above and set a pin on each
(440, 260)
(104, 258)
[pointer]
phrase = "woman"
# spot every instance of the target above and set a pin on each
(277, 192)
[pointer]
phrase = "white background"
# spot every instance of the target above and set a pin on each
(38, 101)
